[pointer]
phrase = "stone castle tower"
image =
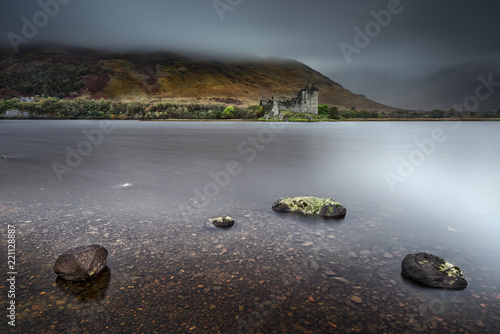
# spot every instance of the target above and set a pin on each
(305, 102)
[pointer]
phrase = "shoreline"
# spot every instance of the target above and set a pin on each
(468, 119)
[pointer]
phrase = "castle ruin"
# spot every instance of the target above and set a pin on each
(305, 102)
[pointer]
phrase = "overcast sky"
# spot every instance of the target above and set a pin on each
(417, 38)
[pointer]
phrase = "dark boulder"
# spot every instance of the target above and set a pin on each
(81, 263)
(224, 221)
(309, 205)
(433, 271)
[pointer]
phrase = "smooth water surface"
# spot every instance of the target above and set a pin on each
(145, 191)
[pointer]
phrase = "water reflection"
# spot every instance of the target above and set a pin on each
(94, 289)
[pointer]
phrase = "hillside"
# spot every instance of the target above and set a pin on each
(70, 73)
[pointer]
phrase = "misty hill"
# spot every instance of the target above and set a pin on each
(70, 72)
(447, 87)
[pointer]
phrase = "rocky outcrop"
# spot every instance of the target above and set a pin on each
(433, 271)
(224, 221)
(81, 263)
(309, 205)
(26, 99)
(14, 113)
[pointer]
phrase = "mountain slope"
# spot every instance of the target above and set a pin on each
(163, 75)
(450, 86)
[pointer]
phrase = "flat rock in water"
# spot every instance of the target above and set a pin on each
(356, 299)
(309, 205)
(81, 263)
(224, 221)
(433, 271)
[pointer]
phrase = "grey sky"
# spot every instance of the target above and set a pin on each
(424, 36)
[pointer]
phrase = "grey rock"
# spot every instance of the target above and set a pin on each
(365, 253)
(352, 254)
(14, 113)
(433, 271)
(388, 255)
(81, 263)
(26, 99)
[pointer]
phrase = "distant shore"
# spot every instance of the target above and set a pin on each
(264, 121)
(333, 121)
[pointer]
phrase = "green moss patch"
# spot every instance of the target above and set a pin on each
(309, 205)
(450, 270)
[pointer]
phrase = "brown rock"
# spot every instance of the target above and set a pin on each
(356, 299)
(81, 263)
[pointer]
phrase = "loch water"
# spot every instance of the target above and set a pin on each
(145, 191)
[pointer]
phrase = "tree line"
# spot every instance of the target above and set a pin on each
(81, 108)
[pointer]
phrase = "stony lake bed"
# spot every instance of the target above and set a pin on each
(171, 271)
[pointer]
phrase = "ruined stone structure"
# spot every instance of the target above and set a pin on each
(305, 102)
(26, 99)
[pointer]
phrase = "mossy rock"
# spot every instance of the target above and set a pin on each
(309, 205)
(224, 221)
(433, 271)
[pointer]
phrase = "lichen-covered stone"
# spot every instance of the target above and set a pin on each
(309, 205)
(433, 271)
(224, 221)
(81, 263)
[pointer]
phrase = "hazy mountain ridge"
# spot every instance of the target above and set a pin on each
(452, 86)
(439, 90)
(68, 72)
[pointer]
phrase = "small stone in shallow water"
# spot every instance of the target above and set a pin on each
(343, 280)
(224, 221)
(352, 254)
(365, 253)
(356, 299)
(198, 275)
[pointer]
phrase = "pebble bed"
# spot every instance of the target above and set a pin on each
(269, 273)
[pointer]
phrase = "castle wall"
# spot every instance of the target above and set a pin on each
(305, 102)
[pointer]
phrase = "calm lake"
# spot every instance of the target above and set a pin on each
(145, 191)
